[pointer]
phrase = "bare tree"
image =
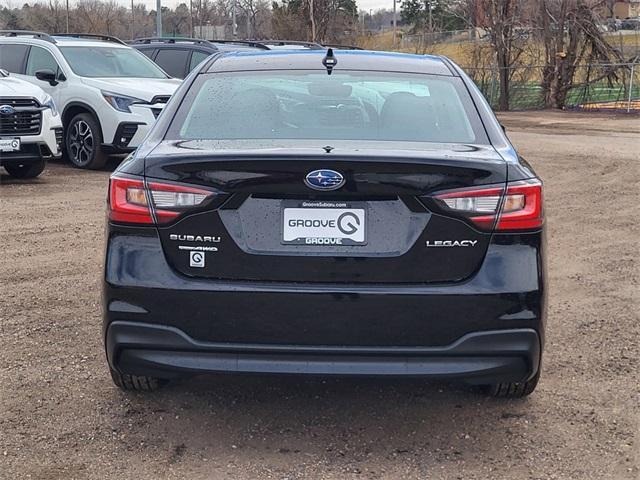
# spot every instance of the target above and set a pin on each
(257, 14)
(330, 17)
(572, 37)
(111, 16)
(177, 20)
(504, 22)
(314, 20)
(289, 20)
(89, 13)
(48, 16)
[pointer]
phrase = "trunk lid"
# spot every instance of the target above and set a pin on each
(243, 234)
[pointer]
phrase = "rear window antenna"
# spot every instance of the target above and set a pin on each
(329, 61)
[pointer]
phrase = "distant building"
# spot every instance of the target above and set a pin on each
(528, 9)
(626, 9)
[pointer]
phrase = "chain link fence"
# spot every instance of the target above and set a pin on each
(591, 90)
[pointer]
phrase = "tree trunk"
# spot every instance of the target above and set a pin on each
(503, 77)
(313, 21)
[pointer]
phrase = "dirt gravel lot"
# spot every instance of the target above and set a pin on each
(61, 417)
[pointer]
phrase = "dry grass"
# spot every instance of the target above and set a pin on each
(463, 52)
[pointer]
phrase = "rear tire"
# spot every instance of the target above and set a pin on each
(83, 142)
(135, 383)
(514, 389)
(30, 170)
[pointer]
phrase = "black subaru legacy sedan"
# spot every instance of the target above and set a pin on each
(329, 213)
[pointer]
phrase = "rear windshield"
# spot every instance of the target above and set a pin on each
(313, 105)
(110, 62)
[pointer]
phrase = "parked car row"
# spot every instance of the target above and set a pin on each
(632, 23)
(616, 24)
(377, 187)
(106, 93)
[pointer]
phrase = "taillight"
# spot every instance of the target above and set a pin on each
(522, 208)
(519, 207)
(130, 201)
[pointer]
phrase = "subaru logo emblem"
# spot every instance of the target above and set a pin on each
(7, 110)
(324, 180)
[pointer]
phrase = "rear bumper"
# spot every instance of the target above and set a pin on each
(506, 293)
(478, 357)
(488, 329)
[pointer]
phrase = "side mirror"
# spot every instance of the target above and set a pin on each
(47, 76)
(504, 129)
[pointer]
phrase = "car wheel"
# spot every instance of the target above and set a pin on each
(135, 383)
(514, 390)
(30, 170)
(83, 142)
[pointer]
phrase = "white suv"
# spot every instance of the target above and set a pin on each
(30, 127)
(108, 93)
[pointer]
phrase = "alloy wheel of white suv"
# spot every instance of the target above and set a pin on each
(83, 139)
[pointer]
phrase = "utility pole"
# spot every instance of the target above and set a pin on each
(394, 24)
(67, 16)
(200, 21)
(191, 18)
(133, 22)
(234, 27)
(158, 18)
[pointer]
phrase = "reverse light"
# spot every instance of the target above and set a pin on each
(519, 207)
(171, 200)
(130, 201)
(486, 204)
(176, 199)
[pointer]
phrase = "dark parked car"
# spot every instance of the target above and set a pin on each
(175, 56)
(348, 213)
(178, 56)
(630, 24)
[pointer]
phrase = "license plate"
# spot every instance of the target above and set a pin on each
(324, 223)
(9, 144)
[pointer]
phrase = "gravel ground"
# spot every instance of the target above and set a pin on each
(61, 417)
